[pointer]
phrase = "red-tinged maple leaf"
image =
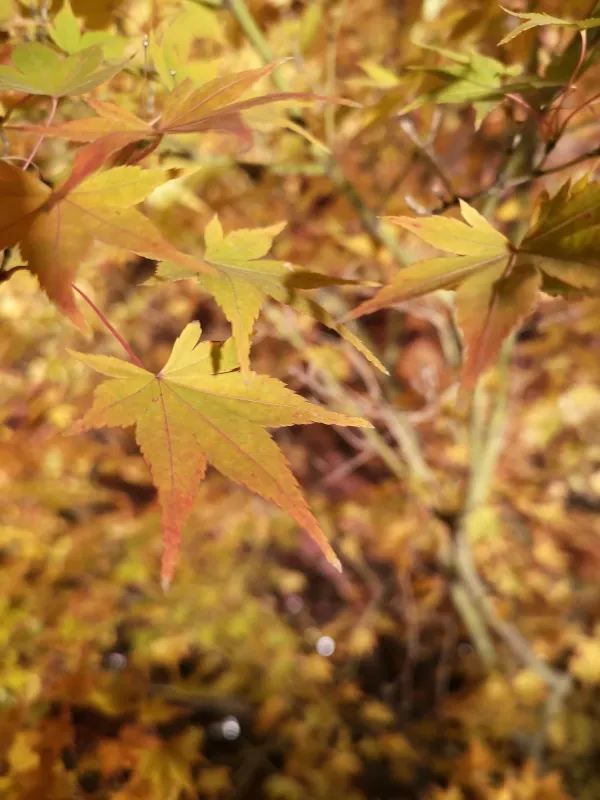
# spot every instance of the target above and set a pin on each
(489, 306)
(200, 409)
(55, 229)
(213, 106)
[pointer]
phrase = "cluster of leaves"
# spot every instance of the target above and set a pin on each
(113, 689)
(54, 230)
(497, 282)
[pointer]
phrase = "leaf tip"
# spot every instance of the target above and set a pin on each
(361, 422)
(167, 569)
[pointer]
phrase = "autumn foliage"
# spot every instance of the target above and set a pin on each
(223, 221)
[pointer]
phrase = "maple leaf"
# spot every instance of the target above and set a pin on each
(564, 240)
(172, 49)
(65, 32)
(489, 306)
(243, 279)
(496, 287)
(38, 69)
(538, 19)
(213, 106)
(55, 229)
(199, 409)
(465, 78)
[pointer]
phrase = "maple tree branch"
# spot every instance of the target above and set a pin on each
(110, 327)
(469, 592)
(38, 144)
(575, 59)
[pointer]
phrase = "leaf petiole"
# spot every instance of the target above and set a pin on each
(110, 327)
(38, 144)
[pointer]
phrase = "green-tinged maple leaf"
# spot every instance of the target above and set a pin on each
(423, 277)
(213, 106)
(467, 78)
(171, 50)
(65, 31)
(564, 241)
(495, 289)
(539, 19)
(477, 246)
(477, 238)
(38, 69)
(199, 409)
(55, 229)
(244, 278)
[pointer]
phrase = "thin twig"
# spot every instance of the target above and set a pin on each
(573, 112)
(425, 150)
(498, 188)
(569, 86)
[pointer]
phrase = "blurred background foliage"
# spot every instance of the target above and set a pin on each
(262, 673)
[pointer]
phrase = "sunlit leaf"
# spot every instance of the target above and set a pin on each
(494, 290)
(171, 49)
(244, 278)
(38, 69)
(213, 106)
(65, 31)
(199, 409)
(453, 236)
(539, 19)
(426, 276)
(55, 229)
